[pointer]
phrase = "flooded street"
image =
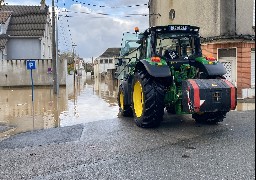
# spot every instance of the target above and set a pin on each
(93, 102)
(89, 100)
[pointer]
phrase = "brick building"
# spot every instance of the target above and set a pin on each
(227, 29)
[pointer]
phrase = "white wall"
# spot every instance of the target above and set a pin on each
(20, 48)
(46, 42)
(245, 17)
(103, 67)
(214, 17)
(15, 73)
(4, 26)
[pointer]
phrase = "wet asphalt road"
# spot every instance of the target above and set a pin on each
(117, 149)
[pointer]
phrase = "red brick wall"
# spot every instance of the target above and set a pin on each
(243, 60)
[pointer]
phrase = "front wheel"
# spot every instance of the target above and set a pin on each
(124, 109)
(147, 100)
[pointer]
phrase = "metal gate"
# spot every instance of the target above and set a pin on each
(228, 58)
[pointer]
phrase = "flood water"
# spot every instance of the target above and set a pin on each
(87, 101)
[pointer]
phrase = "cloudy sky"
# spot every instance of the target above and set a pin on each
(94, 25)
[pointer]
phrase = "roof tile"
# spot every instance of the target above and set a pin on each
(111, 52)
(26, 20)
(3, 41)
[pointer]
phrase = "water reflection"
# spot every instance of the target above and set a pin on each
(107, 90)
(95, 101)
(16, 108)
(84, 101)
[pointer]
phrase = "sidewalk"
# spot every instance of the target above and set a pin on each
(248, 100)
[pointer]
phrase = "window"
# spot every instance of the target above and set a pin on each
(148, 55)
(101, 61)
(106, 61)
(182, 46)
(110, 61)
(1, 28)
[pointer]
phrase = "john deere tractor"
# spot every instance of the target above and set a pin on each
(169, 73)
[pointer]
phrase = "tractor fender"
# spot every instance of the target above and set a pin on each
(155, 70)
(126, 86)
(214, 70)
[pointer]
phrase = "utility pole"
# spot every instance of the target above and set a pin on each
(54, 58)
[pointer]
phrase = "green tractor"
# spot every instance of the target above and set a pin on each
(169, 73)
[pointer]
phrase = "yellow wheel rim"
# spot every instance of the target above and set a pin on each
(138, 99)
(121, 99)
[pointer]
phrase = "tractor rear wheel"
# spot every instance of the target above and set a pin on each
(210, 117)
(124, 109)
(147, 100)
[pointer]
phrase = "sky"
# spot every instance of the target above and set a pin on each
(94, 25)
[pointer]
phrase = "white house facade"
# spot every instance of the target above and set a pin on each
(106, 61)
(26, 34)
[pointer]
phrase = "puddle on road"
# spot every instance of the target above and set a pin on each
(85, 102)
(89, 100)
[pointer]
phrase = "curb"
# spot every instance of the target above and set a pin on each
(248, 100)
(5, 131)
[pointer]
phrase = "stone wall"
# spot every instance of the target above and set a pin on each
(15, 73)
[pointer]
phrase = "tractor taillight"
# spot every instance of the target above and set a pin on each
(155, 59)
(210, 58)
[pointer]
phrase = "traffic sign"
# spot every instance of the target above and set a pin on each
(31, 64)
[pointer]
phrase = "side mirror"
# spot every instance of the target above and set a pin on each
(119, 62)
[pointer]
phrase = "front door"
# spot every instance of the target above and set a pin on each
(228, 58)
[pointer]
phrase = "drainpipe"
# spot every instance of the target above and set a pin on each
(235, 17)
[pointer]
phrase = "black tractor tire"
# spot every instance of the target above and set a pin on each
(124, 109)
(147, 100)
(210, 117)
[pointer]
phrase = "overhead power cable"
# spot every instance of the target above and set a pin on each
(107, 14)
(104, 6)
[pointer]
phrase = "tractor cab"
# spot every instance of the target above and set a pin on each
(176, 44)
